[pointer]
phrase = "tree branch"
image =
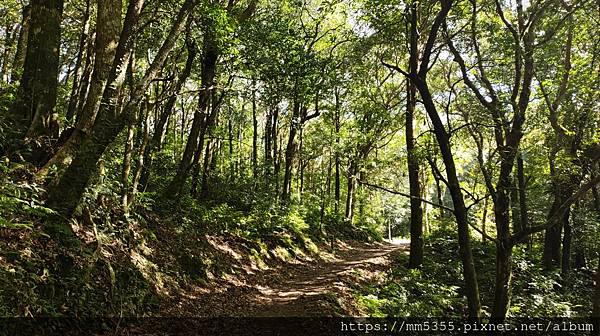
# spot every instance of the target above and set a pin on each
(552, 221)
(395, 192)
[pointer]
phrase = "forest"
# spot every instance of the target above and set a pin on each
(300, 158)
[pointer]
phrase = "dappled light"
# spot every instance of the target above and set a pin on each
(219, 161)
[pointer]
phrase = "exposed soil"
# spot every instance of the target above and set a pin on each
(302, 287)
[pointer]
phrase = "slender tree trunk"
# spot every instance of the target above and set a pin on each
(336, 122)
(167, 111)
(484, 219)
(210, 56)
(503, 286)
(514, 206)
(268, 139)
(276, 152)
(460, 210)
(210, 152)
(78, 71)
(127, 156)
(86, 78)
(566, 244)
(10, 35)
(352, 172)
(522, 193)
(596, 196)
(290, 151)
(552, 239)
(416, 211)
(21, 51)
(140, 157)
(301, 163)
(254, 134)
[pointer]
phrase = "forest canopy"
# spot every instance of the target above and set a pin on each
(134, 132)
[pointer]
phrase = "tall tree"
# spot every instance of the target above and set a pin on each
(33, 110)
(416, 211)
(108, 29)
(203, 118)
(443, 139)
(110, 121)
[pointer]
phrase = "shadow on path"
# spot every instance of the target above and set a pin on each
(303, 288)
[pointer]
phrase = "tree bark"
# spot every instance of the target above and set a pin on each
(566, 244)
(523, 212)
(127, 156)
(33, 110)
(268, 139)
(110, 123)
(21, 51)
(416, 210)
(352, 177)
(78, 71)
(254, 135)
(337, 191)
(443, 140)
(210, 55)
(290, 150)
(107, 66)
(210, 154)
(276, 150)
(10, 35)
(144, 140)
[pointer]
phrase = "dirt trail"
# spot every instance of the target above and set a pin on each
(303, 288)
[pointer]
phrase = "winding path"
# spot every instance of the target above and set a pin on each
(302, 288)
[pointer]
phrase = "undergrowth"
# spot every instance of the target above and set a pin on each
(130, 264)
(437, 288)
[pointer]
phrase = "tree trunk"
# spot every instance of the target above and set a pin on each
(10, 35)
(484, 219)
(86, 78)
(254, 135)
(110, 123)
(33, 110)
(337, 191)
(108, 64)
(21, 51)
(514, 206)
(595, 193)
(210, 56)
(552, 239)
(416, 211)
(522, 193)
(210, 156)
(301, 163)
(503, 285)
(127, 155)
(460, 210)
(276, 150)
(566, 244)
(268, 139)
(167, 111)
(143, 144)
(290, 151)
(352, 172)
(78, 71)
